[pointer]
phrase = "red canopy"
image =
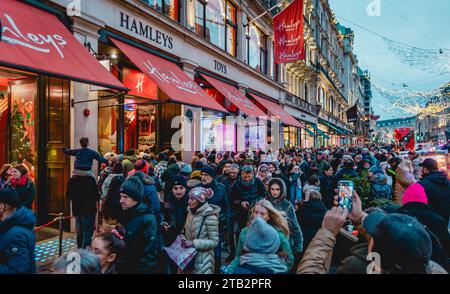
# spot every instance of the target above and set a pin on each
(276, 110)
(169, 78)
(235, 96)
(36, 41)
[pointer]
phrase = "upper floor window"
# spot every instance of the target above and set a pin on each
(256, 49)
(216, 21)
(331, 105)
(171, 8)
(321, 96)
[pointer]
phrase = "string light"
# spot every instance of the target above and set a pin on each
(430, 60)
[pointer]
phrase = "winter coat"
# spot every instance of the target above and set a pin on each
(111, 208)
(167, 177)
(380, 190)
(128, 164)
(320, 165)
(356, 263)
(284, 246)
(220, 199)
(83, 192)
(438, 227)
(143, 242)
(207, 239)
(159, 170)
(17, 243)
(295, 189)
(402, 181)
(417, 169)
(437, 188)
(283, 205)
(107, 182)
(250, 192)
(326, 190)
(150, 194)
(26, 193)
(311, 215)
(317, 258)
(175, 213)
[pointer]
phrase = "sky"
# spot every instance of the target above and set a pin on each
(423, 24)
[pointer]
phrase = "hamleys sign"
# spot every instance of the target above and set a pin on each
(13, 34)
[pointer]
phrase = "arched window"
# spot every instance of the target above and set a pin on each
(171, 8)
(307, 93)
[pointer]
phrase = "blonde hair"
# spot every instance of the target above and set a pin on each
(276, 218)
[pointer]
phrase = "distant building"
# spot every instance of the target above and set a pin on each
(385, 128)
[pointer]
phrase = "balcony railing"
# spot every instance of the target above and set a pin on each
(302, 104)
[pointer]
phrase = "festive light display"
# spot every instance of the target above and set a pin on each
(430, 60)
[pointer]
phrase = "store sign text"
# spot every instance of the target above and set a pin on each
(12, 34)
(145, 30)
(171, 78)
(220, 67)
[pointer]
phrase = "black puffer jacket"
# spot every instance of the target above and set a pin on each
(250, 192)
(220, 199)
(83, 192)
(143, 253)
(437, 188)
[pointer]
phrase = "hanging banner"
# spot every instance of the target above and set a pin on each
(405, 138)
(352, 114)
(289, 37)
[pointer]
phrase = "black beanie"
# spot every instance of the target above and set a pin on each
(209, 170)
(9, 197)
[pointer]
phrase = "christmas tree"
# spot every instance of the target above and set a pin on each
(20, 139)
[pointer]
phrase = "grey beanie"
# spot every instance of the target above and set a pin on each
(133, 188)
(262, 237)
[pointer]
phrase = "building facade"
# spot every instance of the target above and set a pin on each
(202, 61)
(434, 129)
(385, 128)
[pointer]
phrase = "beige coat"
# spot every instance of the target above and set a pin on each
(403, 180)
(208, 238)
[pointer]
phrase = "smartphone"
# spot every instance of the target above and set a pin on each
(345, 194)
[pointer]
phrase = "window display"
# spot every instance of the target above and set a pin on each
(216, 134)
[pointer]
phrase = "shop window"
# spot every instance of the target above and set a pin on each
(171, 8)
(256, 49)
(290, 137)
(23, 121)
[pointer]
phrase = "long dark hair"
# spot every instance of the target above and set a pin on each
(114, 241)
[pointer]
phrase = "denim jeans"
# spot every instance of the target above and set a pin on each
(85, 230)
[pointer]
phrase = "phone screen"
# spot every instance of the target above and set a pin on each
(345, 194)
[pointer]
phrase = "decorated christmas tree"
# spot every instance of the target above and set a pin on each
(21, 143)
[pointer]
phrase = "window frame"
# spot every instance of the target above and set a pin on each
(263, 52)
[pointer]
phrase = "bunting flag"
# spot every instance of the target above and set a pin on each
(405, 137)
(289, 36)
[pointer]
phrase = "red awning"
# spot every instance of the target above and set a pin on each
(36, 41)
(235, 96)
(276, 110)
(169, 78)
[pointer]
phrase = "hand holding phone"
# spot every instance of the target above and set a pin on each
(345, 194)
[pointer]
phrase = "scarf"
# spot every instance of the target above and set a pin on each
(272, 262)
(20, 182)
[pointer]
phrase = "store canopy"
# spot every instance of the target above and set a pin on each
(36, 41)
(276, 110)
(235, 97)
(174, 82)
(311, 133)
(334, 127)
(320, 132)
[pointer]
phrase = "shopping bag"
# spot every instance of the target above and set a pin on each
(180, 255)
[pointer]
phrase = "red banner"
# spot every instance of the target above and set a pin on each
(405, 137)
(289, 38)
(139, 84)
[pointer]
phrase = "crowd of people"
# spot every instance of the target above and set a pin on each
(273, 212)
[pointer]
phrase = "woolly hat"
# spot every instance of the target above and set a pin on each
(9, 197)
(185, 168)
(209, 170)
(180, 180)
(133, 188)
(199, 165)
(263, 168)
(415, 193)
(262, 237)
(201, 194)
